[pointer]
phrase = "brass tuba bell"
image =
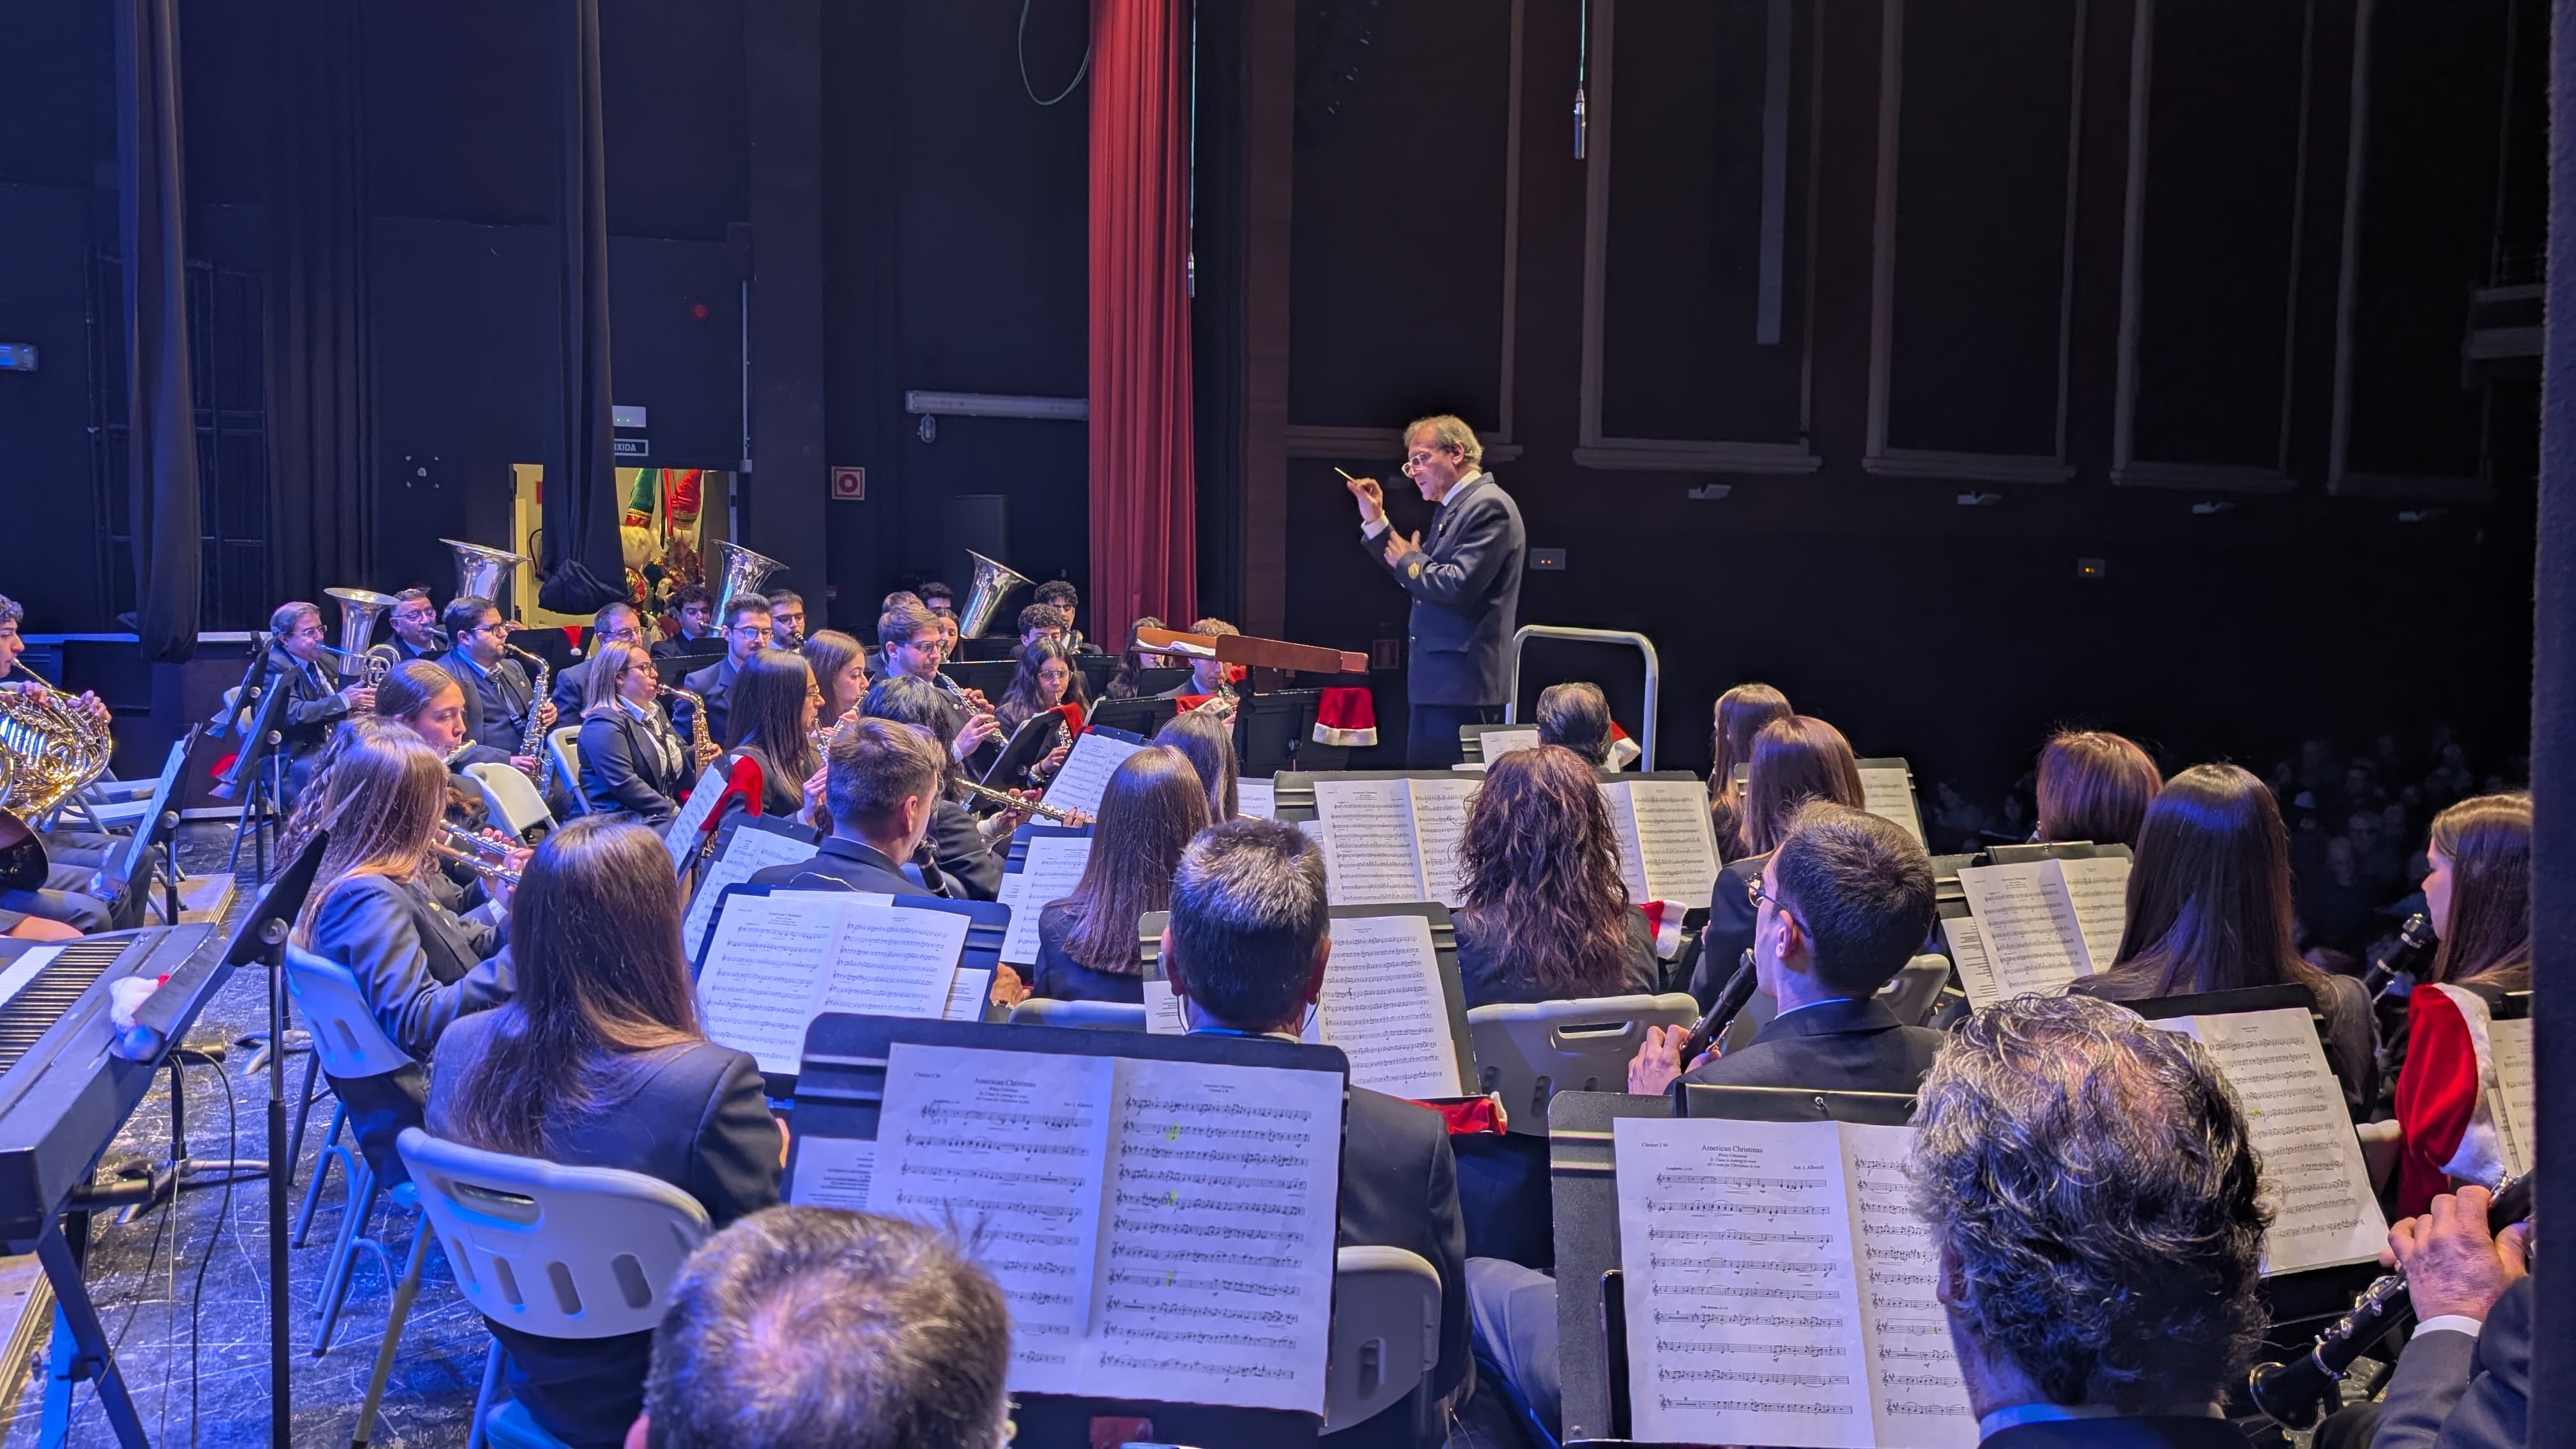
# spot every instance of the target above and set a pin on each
(994, 582)
(479, 570)
(359, 610)
(740, 572)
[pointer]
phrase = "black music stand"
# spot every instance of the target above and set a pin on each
(259, 776)
(154, 837)
(1271, 732)
(1140, 716)
(1030, 744)
(676, 668)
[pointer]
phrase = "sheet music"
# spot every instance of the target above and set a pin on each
(1499, 743)
(1254, 797)
(2097, 891)
(1887, 791)
(2324, 1211)
(1163, 1010)
(2512, 1093)
(682, 835)
(1918, 1396)
(1385, 1006)
(2030, 934)
(1371, 856)
(967, 995)
(1968, 953)
(1439, 823)
(1632, 851)
(1051, 870)
(1670, 832)
(894, 962)
(1011, 1151)
(1086, 771)
(833, 1172)
(749, 849)
(765, 970)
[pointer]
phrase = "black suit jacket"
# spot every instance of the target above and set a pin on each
(570, 685)
(1832, 1046)
(622, 770)
(313, 701)
(1400, 1190)
(497, 701)
(842, 865)
(2460, 1392)
(1466, 589)
(961, 855)
(693, 1116)
(712, 684)
(2156, 1431)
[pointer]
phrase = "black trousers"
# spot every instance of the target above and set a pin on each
(1431, 732)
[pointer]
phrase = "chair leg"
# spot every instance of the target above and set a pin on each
(393, 1335)
(483, 1400)
(303, 1115)
(331, 1152)
(335, 1286)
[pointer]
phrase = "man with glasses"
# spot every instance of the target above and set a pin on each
(414, 619)
(316, 700)
(746, 632)
(614, 623)
(1465, 583)
(786, 619)
(498, 695)
(915, 643)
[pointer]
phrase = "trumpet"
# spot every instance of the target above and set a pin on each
(463, 847)
(1003, 798)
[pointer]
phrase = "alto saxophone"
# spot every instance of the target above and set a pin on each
(700, 745)
(532, 741)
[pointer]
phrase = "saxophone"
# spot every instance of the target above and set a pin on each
(532, 743)
(701, 746)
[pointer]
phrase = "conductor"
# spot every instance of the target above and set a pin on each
(1465, 583)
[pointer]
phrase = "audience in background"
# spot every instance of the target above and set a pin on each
(2479, 900)
(2096, 786)
(1087, 942)
(2209, 910)
(1543, 915)
(1794, 760)
(771, 723)
(598, 1061)
(1209, 745)
(1741, 714)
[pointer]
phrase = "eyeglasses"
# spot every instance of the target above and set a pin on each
(1755, 895)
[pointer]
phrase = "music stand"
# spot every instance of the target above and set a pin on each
(1140, 716)
(1035, 738)
(154, 831)
(674, 668)
(262, 766)
(1272, 730)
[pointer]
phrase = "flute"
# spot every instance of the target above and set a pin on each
(1007, 801)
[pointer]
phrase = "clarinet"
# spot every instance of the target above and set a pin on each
(2291, 1393)
(532, 743)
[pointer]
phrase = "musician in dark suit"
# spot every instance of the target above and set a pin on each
(881, 785)
(1465, 583)
(599, 1062)
(695, 608)
(959, 846)
(1245, 952)
(614, 623)
(498, 693)
(414, 620)
(315, 698)
(632, 761)
(746, 632)
(2464, 1381)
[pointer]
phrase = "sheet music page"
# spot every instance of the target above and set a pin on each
(2324, 1211)
(1163, 1010)
(833, 1172)
(1385, 1006)
(2512, 1093)
(968, 994)
(2029, 933)
(1254, 797)
(1051, 871)
(1011, 1151)
(1968, 953)
(765, 969)
(1499, 743)
(1370, 854)
(1887, 791)
(895, 962)
(1218, 1281)
(1744, 1316)
(1676, 849)
(1086, 771)
(681, 835)
(1632, 851)
(1914, 1378)
(1439, 823)
(748, 850)
(2097, 890)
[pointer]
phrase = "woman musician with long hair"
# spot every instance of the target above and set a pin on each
(1153, 804)
(1046, 679)
(632, 761)
(775, 704)
(427, 700)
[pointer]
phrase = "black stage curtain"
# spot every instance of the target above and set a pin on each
(582, 563)
(160, 397)
(321, 366)
(2553, 758)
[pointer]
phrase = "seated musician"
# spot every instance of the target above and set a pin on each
(598, 1060)
(810, 1328)
(876, 652)
(12, 646)
(916, 642)
(1795, 760)
(1210, 677)
(695, 609)
(430, 700)
(2209, 910)
(315, 700)
(632, 761)
(746, 632)
(1576, 716)
(959, 847)
(775, 704)
(615, 623)
(60, 908)
(1150, 809)
(452, 884)
(2478, 897)
(882, 782)
(936, 595)
(1067, 600)
(1041, 621)
(2464, 1380)
(1544, 915)
(498, 693)
(786, 619)
(1209, 744)
(1246, 952)
(2116, 1304)
(419, 965)
(841, 667)
(414, 620)
(2094, 785)
(1741, 713)
(1046, 677)
(1133, 661)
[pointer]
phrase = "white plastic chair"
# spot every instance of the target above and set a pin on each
(1386, 1336)
(1913, 992)
(1527, 1052)
(1094, 1015)
(350, 1044)
(564, 743)
(558, 1252)
(511, 798)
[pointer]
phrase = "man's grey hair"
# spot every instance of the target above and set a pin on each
(10, 612)
(830, 1330)
(283, 621)
(1248, 912)
(2090, 1179)
(1448, 430)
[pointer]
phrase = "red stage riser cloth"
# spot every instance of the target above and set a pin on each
(1143, 523)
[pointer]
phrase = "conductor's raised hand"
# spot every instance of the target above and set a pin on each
(1372, 499)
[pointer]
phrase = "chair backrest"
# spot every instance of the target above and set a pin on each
(1914, 991)
(1530, 1051)
(564, 743)
(511, 797)
(345, 1030)
(1096, 1015)
(562, 1252)
(1386, 1333)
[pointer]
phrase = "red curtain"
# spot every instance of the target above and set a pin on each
(1143, 523)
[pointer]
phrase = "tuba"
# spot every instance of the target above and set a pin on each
(54, 749)
(994, 582)
(480, 571)
(359, 610)
(742, 572)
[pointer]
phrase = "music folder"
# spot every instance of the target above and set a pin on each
(745, 844)
(1160, 1212)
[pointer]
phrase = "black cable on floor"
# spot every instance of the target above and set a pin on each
(223, 1220)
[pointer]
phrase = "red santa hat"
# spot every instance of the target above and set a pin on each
(1664, 918)
(1346, 716)
(1623, 750)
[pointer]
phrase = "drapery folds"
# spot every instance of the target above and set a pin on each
(581, 566)
(160, 396)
